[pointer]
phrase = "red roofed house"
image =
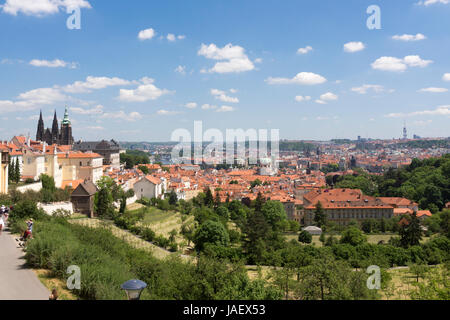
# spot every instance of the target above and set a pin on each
(150, 187)
(423, 214)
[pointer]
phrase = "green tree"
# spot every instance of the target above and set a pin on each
(256, 229)
(144, 169)
(104, 203)
(305, 237)
(418, 270)
(223, 212)
(48, 183)
(212, 232)
(320, 217)
(274, 213)
(328, 279)
(173, 199)
(445, 223)
(17, 171)
(259, 202)
(353, 236)
(411, 232)
(123, 204)
(256, 183)
(209, 200)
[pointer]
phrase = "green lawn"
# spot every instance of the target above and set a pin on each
(371, 238)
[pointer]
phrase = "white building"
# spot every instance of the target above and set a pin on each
(150, 187)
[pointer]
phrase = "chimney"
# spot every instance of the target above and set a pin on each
(44, 147)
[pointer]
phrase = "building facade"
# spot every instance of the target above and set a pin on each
(109, 150)
(344, 205)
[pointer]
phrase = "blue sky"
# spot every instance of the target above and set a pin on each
(137, 70)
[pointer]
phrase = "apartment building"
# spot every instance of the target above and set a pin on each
(80, 166)
(344, 205)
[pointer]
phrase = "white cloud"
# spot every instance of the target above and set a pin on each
(433, 90)
(32, 99)
(258, 60)
(303, 78)
(221, 95)
(422, 122)
(233, 58)
(93, 111)
(208, 107)
(57, 63)
(225, 109)
(181, 69)
(233, 90)
(94, 83)
(409, 37)
(320, 101)
(399, 65)
(354, 46)
(366, 87)
(171, 37)
(439, 111)
(94, 128)
(121, 115)
(446, 77)
(191, 105)
(146, 34)
(304, 50)
(329, 96)
(43, 96)
(302, 98)
(416, 61)
(144, 92)
(431, 2)
(40, 8)
(164, 112)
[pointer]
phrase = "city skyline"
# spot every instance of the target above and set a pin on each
(313, 70)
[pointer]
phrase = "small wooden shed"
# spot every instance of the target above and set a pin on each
(83, 198)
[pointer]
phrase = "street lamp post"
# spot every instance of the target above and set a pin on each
(134, 288)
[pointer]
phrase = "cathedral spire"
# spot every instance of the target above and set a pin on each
(40, 128)
(55, 129)
(66, 117)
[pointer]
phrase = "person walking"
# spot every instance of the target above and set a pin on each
(2, 221)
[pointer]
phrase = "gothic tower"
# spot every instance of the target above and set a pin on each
(55, 130)
(65, 137)
(40, 129)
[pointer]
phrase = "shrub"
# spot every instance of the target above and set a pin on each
(305, 237)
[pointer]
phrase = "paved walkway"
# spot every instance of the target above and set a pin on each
(17, 282)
